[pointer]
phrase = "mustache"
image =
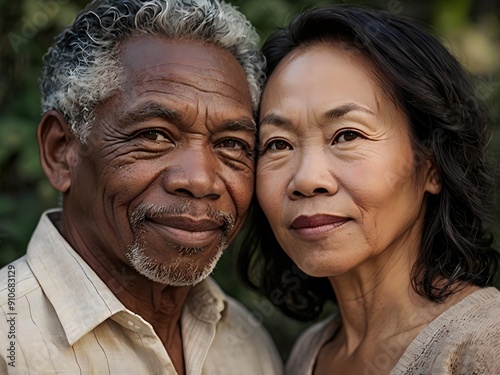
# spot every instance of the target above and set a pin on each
(145, 211)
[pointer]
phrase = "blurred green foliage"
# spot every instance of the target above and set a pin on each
(471, 29)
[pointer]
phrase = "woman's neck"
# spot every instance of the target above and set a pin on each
(381, 315)
(377, 302)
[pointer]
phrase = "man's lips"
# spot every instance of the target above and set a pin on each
(187, 231)
(187, 223)
(310, 222)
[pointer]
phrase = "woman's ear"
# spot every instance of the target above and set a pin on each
(56, 143)
(433, 178)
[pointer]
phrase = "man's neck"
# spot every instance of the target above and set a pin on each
(160, 305)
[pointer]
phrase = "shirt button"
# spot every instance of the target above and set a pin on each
(130, 323)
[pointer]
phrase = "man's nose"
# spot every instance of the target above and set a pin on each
(312, 176)
(194, 174)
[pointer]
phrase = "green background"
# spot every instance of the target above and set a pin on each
(471, 29)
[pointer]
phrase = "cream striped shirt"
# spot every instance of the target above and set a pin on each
(58, 317)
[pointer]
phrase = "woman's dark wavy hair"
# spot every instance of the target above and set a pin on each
(449, 125)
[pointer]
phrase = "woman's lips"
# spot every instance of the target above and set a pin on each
(317, 224)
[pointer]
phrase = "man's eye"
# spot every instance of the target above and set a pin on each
(233, 144)
(347, 136)
(154, 135)
(278, 145)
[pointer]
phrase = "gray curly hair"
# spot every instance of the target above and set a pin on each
(82, 68)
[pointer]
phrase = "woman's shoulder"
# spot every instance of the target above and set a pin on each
(477, 323)
(307, 346)
(464, 339)
(473, 320)
(479, 309)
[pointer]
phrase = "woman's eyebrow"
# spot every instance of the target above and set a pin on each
(274, 119)
(344, 109)
(337, 112)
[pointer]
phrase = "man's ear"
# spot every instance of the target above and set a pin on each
(433, 178)
(56, 146)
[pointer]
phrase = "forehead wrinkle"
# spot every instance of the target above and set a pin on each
(201, 85)
(151, 75)
(156, 69)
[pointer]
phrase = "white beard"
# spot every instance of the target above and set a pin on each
(176, 273)
(181, 271)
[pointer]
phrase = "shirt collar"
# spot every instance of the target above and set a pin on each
(206, 301)
(80, 298)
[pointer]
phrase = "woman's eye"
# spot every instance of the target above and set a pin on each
(154, 135)
(347, 136)
(278, 145)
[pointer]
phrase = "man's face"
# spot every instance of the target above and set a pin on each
(166, 177)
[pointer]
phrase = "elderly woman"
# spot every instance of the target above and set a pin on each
(372, 176)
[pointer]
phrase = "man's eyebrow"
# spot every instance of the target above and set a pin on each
(345, 109)
(246, 125)
(148, 111)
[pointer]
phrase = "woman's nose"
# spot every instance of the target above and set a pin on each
(313, 176)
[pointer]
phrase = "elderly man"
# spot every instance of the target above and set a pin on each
(148, 132)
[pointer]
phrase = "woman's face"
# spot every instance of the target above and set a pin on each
(336, 176)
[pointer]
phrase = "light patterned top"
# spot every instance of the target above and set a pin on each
(463, 340)
(58, 317)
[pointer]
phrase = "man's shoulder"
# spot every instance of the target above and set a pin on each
(252, 317)
(16, 280)
(235, 309)
(247, 324)
(242, 331)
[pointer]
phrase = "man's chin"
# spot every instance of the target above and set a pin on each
(180, 272)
